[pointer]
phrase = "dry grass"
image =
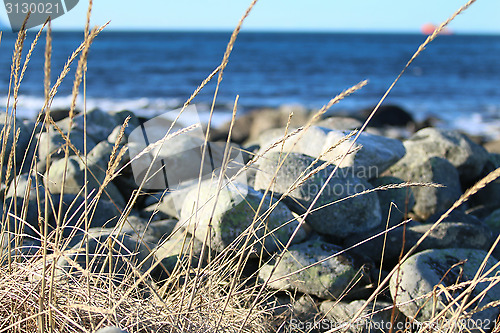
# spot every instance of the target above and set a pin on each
(214, 296)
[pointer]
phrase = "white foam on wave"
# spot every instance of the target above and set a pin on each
(478, 124)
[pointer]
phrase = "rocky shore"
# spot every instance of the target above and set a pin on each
(345, 231)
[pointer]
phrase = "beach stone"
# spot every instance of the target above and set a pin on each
(100, 154)
(397, 202)
(493, 221)
(234, 214)
(111, 329)
(341, 219)
(75, 179)
(151, 213)
(251, 125)
(340, 123)
(468, 157)
(177, 249)
(7, 124)
(152, 232)
(487, 198)
(167, 206)
(445, 235)
(100, 124)
(370, 155)
(327, 280)
(125, 250)
(295, 314)
(456, 215)
(26, 226)
(72, 216)
(420, 273)
(52, 143)
(373, 318)
(388, 115)
(19, 186)
(429, 200)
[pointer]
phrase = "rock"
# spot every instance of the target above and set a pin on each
(72, 216)
(414, 288)
(340, 123)
(304, 308)
(234, 213)
(151, 232)
(124, 249)
(111, 329)
(7, 124)
(456, 216)
(376, 318)
(75, 179)
(291, 314)
(493, 221)
(100, 124)
(249, 126)
(486, 200)
(19, 186)
(345, 217)
(26, 225)
(52, 143)
(388, 115)
(446, 235)
(167, 206)
(327, 280)
(468, 157)
(151, 213)
(394, 203)
(429, 200)
(370, 155)
(177, 250)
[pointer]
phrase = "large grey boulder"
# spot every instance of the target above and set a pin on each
(468, 157)
(53, 143)
(340, 212)
(395, 203)
(100, 124)
(73, 173)
(234, 213)
(370, 155)
(328, 279)
(429, 200)
(415, 293)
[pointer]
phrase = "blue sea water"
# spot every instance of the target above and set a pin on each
(457, 78)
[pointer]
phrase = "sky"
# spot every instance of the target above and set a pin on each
(283, 15)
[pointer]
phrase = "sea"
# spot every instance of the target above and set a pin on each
(456, 79)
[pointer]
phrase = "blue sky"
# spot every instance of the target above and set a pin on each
(284, 15)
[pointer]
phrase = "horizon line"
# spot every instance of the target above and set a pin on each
(265, 30)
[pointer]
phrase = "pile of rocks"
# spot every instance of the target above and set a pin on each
(337, 204)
